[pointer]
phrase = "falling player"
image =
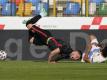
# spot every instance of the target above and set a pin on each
(95, 52)
(59, 49)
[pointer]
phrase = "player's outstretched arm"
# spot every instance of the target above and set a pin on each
(53, 53)
(88, 48)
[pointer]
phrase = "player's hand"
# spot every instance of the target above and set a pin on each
(86, 59)
(85, 56)
(32, 40)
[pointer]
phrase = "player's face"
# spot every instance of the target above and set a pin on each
(75, 55)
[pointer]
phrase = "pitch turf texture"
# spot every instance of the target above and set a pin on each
(32, 70)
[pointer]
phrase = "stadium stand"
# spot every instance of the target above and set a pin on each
(92, 8)
(58, 7)
(96, 1)
(72, 8)
(102, 9)
(24, 9)
(9, 9)
(2, 2)
(17, 2)
(78, 1)
(34, 2)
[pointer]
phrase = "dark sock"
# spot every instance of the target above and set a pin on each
(33, 20)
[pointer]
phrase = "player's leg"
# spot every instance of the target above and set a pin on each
(36, 29)
(33, 20)
(93, 40)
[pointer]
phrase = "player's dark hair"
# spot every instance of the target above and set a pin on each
(104, 51)
(80, 52)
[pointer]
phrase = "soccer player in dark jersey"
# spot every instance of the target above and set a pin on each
(59, 49)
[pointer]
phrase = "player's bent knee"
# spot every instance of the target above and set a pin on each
(30, 42)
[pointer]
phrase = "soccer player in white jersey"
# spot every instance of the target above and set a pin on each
(94, 53)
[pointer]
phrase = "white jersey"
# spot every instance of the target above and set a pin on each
(95, 54)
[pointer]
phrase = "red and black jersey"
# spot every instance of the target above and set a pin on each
(44, 37)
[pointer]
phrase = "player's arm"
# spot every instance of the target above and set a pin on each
(31, 37)
(52, 54)
(88, 48)
(85, 58)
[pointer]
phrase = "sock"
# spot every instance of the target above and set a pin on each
(33, 20)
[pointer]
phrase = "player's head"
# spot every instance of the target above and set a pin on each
(76, 55)
(29, 26)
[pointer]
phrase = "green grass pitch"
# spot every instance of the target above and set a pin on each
(32, 70)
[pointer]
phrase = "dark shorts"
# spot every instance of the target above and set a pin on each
(53, 44)
(64, 47)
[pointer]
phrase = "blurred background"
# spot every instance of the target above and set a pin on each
(58, 8)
